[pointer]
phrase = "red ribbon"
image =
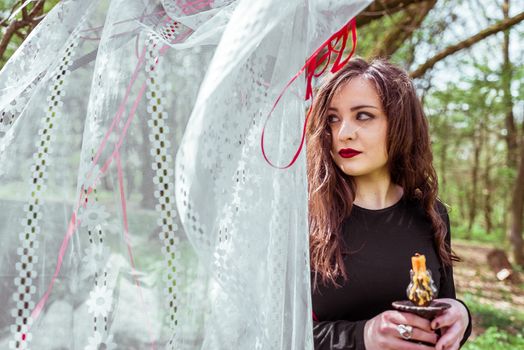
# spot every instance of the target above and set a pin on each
(323, 55)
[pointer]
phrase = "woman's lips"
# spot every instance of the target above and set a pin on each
(348, 152)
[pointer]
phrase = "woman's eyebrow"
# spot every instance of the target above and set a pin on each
(362, 106)
(353, 108)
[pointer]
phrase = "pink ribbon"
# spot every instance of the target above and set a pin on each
(192, 7)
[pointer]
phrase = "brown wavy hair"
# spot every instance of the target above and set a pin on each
(410, 164)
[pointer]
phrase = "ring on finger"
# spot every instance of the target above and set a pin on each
(405, 331)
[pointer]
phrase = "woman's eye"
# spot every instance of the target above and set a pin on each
(364, 116)
(332, 118)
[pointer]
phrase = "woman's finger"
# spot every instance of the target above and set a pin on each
(450, 336)
(446, 319)
(454, 314)
(425, 336)
(455, 346)
(412, 320)
(421, 329)
(398, 344)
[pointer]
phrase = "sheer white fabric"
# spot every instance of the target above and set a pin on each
(136, 208)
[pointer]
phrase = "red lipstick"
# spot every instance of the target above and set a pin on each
(348, 152)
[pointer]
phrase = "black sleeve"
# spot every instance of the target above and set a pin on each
(447, 284)
(339, 335)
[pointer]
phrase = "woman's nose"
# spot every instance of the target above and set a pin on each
(348, 131)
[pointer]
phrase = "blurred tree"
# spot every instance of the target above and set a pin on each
(506, 77)
(472, 120)
(465, 123)
(512, 136)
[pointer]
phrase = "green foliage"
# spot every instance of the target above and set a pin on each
(488, 315)
(373, 32)
(478, 233)
(467, 121)
(503, 329)
(49, 4)
(496, 339)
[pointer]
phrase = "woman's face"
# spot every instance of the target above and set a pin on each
(358, 130)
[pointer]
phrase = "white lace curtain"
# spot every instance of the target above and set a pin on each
(136, 208)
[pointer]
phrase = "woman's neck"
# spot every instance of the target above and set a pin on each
(376, 193)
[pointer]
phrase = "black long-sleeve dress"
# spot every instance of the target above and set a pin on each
(380, 245)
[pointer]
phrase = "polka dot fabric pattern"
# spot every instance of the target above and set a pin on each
(136, 208)
(28, 250)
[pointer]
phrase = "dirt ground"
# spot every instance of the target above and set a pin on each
(474, 276)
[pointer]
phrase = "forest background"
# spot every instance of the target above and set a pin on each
(466, 57)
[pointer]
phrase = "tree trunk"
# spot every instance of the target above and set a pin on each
(517, 212)
(477, 143)
(506, 77)
(443, 160)
(517, 201)
(500, 265)
(462, 199)
(488, 183)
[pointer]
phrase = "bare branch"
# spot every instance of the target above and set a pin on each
(37, 9)
(17, 4)
(401, 31)
(20, 35)
(379, 9)
(9, 32)
(497, 27)
(29, 20)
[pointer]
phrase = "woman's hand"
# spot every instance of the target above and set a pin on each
(381, 332)
(452, 324)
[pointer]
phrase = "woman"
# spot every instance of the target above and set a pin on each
(372, 205)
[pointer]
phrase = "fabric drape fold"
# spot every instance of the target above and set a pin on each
(136, 208)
